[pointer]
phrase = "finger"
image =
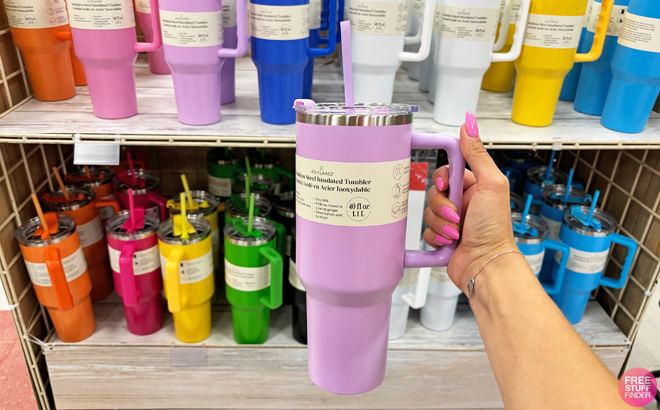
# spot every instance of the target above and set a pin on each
(442, 206)
(431, 238)
(474, 152)
(443, 174)
(441, 226)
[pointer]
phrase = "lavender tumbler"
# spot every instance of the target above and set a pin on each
(193, 43)
(157, 64)
(352, 181)
(106, 44)
(228, 69)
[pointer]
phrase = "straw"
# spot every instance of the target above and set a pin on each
(61, 183)
(40, 212)
(250, 213)
(568, 184)
(131, 207)
(507, 174)
(249, 171)
(593, 208)
(345, 27)
(528, 204)
(130, 166)
(184, 226)
(187, 189)
(89, 174)
(548, 171)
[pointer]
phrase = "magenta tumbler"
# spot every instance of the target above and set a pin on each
(106, 44)
(352, 181)
(193, 44)
(157, 64)
(146, 192)
(135, 262)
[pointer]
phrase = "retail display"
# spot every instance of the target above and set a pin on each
(157, 63)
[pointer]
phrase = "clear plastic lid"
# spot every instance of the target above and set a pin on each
(266, 227)
(114, 226)
(79, 196)
(204, 203)
(25, 234)
(601, 224)
(368, 114)
(537, 176)
(555, 196)
(536, 230)
(202, 228)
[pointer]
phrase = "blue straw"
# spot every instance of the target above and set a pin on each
(507, 174)
(528, 204)
(568, 184)
(552, 161)
(593, 208)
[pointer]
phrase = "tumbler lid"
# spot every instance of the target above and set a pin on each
(537, 176)
(114, 226)
(517, 204)
(26, 233)
(601, 224)
(79, 196)
(266, 161)
(202, 230)
(260, 184)
(221, 156)
(203, 203)
(553, 196)
(266, 227)
(535, 229)
(285, 205)
(99, 176)
(261, 203)
(360, 115)
(146, 182)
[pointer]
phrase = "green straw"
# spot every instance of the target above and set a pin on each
(247, 190)
(250, 213)
(249, 172)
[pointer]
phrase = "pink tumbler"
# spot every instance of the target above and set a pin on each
(193, 44)
(146, 191)
(228, 69)
(135, 262)
(157, 64)
(352, 182)
(106, 44)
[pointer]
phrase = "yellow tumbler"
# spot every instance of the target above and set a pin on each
(548, 53)
(499, 77)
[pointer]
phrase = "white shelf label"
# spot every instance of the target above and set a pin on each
(469, 23)
(560, 32)
(535, 262)
(91, 232)
(585, 262)
(144, 262)
(378, 17)
(279, 22)
(640, 33)
(294, 280)
(74, 266)
(32, 14)
(193, 270)
(184, 29)
(101, 14)
(247, 279)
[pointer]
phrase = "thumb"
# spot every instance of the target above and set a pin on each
(474, 152)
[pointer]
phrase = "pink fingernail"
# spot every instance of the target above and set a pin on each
(449, 214)
(471, 125)
(441, 239)
(450, 231)
(439, 183)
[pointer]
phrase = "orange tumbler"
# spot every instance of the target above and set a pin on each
(100, 180)
(82, 206)
(56, 264)
(35, 29)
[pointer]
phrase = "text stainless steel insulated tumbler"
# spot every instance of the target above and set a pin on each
(157, 64)
(100, 180)
(352, 179)
(146, 188)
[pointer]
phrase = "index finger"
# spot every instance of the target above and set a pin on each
(443, 174)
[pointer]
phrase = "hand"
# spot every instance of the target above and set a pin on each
(486, 228)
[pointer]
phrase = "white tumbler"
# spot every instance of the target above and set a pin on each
(427, 69)
(440, 309)
(464, 52)
(377, 41)
(412, 43)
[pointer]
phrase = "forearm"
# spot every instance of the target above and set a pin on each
(528, 339)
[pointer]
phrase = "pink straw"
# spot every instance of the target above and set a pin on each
(345, 27)
(131, 209)
(130, 166)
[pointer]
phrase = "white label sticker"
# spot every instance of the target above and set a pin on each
(101, 14)
(74, 266)
(437, 19)
(143, 6)
(352, 194)
(294, 280)
(106, 212)
(91, 232)
(469, 23)
(220, 186)
(144, 262)
(515, 9)
(191, 271)
(288, 245)
(279, 22)
(553, 228)
(36, 14)
(410, 276)
(587, 15)
(418, 6)
(378, 17)
(181, 29)
(616, 19)
(585, 262)
(561, 32)
(640, 33)
(228, 13)
(535, 262)
(440, 275)
(247, 279)
(315, 9)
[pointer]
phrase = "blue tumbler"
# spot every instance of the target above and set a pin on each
(569, 88)
(596, 76)
(635, 68)
(538, 179)
(516, 201)
(281, 49)
(517, 162)
(590, 236)
(532, 240)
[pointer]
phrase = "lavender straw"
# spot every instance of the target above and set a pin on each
(345, 27)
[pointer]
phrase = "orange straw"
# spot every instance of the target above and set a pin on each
(59, 181)
(89, 175)
(40, 212)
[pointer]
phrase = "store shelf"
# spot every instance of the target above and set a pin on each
(114, 369)
(156, 124)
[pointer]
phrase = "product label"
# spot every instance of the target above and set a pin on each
(587, 15)
(144, 262)
(144, 6)
(315, 9)
(515, 9)
(616, 19)
(378, 17)
(640, 33)
(191, 29)
(294, 280)
(228, 13)
(410, 276)
(437, 19)
(585, 262)
(36, 14)
(191, 271)
(288, 245)
(91, 232)
(279, 22)
(101, 14)
(469, 23)
(106, 212)
(247, 279)
(562, 32)
(418, 6)
(440, 275)
(352, 194)
(220, 186)
(74, 266)
(535, 262)
(553, 228)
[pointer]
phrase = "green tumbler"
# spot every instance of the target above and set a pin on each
(260, 185)
(222, 167)
(237, 207)
(253, 277)
(271, 167)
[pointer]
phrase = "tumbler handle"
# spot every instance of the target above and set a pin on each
(340, 12)
(332, 35)
(280, 236)
(426, 28)
(565, 253)
(157, 41)
(599, 36)
(504, 26)
(173, 288)
(64, 36)
(420, 140)
(102, 203)
(632, 248)
(418, 299)
(518, 36)
(241, 33)
(274, 299)
(161, 202)
(417, 37)
(127, 276)
(58, 278)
